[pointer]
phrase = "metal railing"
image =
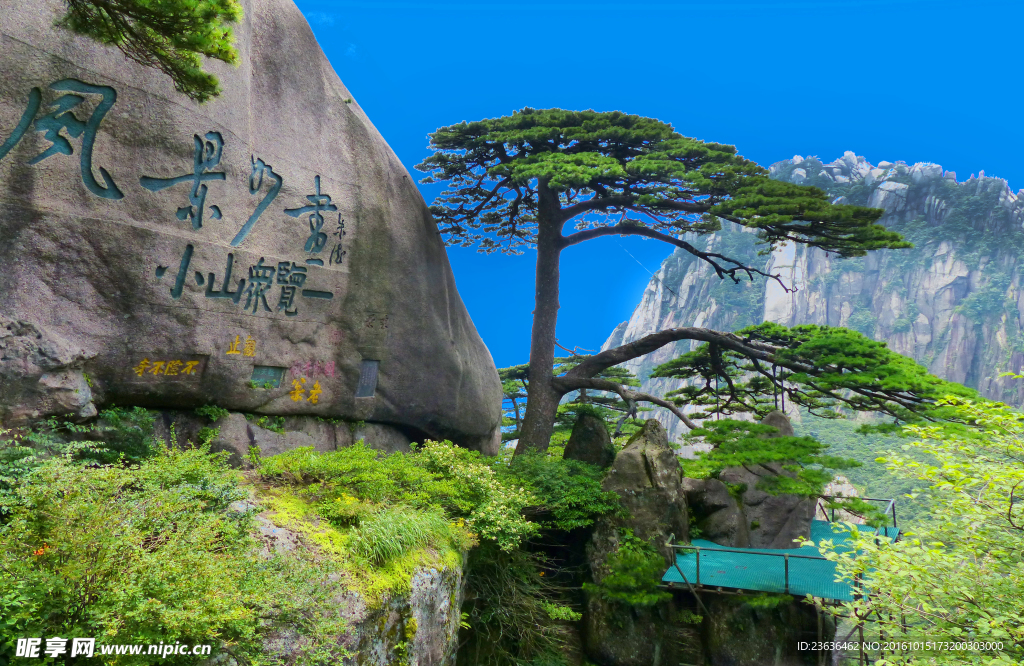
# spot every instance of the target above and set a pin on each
(746, 551)
(889, 509)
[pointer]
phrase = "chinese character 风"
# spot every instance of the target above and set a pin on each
(62, 118)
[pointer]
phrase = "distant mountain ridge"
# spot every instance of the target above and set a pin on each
(953, 302)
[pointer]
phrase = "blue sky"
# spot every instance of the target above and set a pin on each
(899, 80)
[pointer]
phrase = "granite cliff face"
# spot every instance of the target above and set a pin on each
(953, 302)
(266, 252)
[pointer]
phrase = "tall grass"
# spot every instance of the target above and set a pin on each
(397, 530)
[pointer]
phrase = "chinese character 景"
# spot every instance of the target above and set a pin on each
(61, 118)
(206, 156)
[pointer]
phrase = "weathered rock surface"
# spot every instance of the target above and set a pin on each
(953, 302)
(737, 634)
(419, 629)
(238, 434)
(590, 442)
(124, 207)
(647, 477)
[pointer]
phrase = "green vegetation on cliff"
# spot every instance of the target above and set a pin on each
(958, 574)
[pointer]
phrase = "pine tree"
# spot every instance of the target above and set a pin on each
(170, 35)
(517, 181)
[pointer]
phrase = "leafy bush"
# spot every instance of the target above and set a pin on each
(212, 412)
(516, 614)
(120, 435)
(149, 553)
(958, 574)
(569, 490)
(437, 475)
(635, 571)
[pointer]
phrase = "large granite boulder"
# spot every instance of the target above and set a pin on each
(265, 252)
(732, 511)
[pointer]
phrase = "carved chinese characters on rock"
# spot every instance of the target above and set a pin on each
(62, 123)
(207, 157)
(270, 287)
(160, 368)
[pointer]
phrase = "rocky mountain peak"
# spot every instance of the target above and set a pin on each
(953, 302)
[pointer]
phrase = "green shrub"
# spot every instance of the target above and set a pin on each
(212, 412)
(437, 475)
(120, 435)
(569, 490)
(150, 553)
(516, 614)
(634, 574)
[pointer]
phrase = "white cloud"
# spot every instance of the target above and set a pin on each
(320, 18)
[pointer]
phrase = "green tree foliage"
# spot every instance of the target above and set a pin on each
(739, 443)
(517, 181)
(170, 35)
(959, 573)
(821, 368)
(619, 414)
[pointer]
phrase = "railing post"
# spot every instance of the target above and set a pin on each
(698, 566)
(786, 556)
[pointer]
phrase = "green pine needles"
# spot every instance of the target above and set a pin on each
(170, 35)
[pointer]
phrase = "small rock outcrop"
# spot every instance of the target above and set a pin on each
(266, 251)
(590, 442)
(419, 628)
(648, 479)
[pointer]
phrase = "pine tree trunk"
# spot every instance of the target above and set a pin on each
(542, 400)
